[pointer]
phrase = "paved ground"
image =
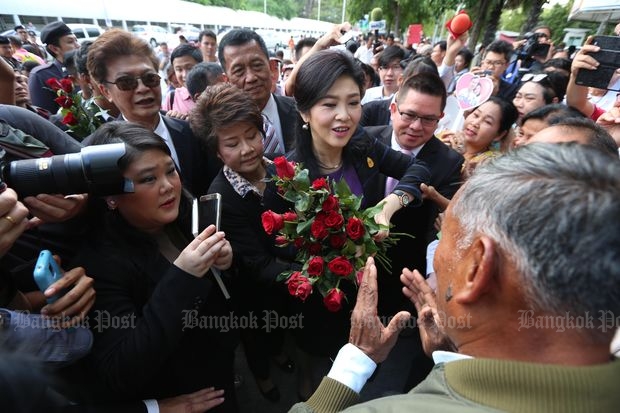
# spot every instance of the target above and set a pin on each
(389, 379)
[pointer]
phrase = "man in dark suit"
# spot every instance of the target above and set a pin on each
(376, 113)
(245, 59)
(134, 86)
(418, 106)
(415, 112)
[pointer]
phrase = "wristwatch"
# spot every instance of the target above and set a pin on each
(403, 197)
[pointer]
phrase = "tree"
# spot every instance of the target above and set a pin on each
(533, 15)
(493, 22)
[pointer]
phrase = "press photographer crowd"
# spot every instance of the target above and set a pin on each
(366, 226)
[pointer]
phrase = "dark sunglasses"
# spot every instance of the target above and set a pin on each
(131, 82)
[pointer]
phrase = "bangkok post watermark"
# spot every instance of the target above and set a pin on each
(604, 320)
(268, 320)
(97, 321)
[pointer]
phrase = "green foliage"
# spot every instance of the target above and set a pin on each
(513, 20)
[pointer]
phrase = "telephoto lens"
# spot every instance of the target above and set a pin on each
(93, 170)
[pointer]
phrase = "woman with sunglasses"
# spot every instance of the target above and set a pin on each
(154, 285)
(126, 70)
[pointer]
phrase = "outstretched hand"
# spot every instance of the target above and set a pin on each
(367, 332)
(430, 324)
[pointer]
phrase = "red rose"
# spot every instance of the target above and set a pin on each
(334, 220)
(281, 240)
(320, 183)
(299, 286)
(292, 282)
(333, 300)
(69, 119)
(66, 85)
(355, 228)
(318, 229)
(272, 222)
(340, 266)
(53, 83)
(64, 101)
(315, 248)
(299, 242)
(315, 266)
(337, 241)
(330, 203)
(284, 168)
(289, 216)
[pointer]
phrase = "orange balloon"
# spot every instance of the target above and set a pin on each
(460, 24)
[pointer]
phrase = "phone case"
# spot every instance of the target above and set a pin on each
(47, 272)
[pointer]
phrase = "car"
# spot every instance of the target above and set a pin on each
(85, 31)
(152, 34)
(191, 33)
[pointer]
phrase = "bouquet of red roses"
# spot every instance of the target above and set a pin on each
(333, 237)
(81, 116)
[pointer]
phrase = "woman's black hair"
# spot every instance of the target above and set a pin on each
(508, 112)
(314, 79)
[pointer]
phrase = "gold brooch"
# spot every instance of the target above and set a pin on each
(370, 162)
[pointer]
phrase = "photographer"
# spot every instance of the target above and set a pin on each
(535, 49)
(577, 95)
(494, 63)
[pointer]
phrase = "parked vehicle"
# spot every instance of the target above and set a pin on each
(85, 31)
(152, 34)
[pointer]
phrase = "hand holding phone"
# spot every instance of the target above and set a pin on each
(47, 272)
(207, 210)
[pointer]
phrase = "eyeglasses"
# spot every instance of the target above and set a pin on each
(411, 117)
(395, 67)
(131, 82)
(533, 77)
(494, 62)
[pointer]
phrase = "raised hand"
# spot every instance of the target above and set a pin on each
(367, 332)
(430, 324)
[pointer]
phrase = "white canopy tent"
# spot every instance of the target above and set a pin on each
(158, 12)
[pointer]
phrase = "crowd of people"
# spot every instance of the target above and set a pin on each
(510, 204)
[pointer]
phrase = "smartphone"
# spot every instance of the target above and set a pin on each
(346, 37)
(609, 60)
(47, 272)
(206, 210)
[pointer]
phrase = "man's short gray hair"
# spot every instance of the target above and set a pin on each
(554, 209)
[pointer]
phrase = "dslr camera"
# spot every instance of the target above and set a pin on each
(93, 170)
(532, 47)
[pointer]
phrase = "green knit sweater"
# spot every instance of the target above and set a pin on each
(485, 385)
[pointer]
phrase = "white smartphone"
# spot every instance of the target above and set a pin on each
(346, 37)
(206, 210)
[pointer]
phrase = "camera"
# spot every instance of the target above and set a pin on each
(94, 170)
(532, 47)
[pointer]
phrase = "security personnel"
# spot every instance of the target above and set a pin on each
(58, 39)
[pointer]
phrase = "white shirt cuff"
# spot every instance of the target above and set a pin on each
(151, 406)
(352, 367)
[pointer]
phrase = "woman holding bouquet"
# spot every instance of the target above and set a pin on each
(328, 88)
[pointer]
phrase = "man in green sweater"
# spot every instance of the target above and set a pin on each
(527, 299)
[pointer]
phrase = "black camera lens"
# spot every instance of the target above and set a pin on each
(94, 170)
